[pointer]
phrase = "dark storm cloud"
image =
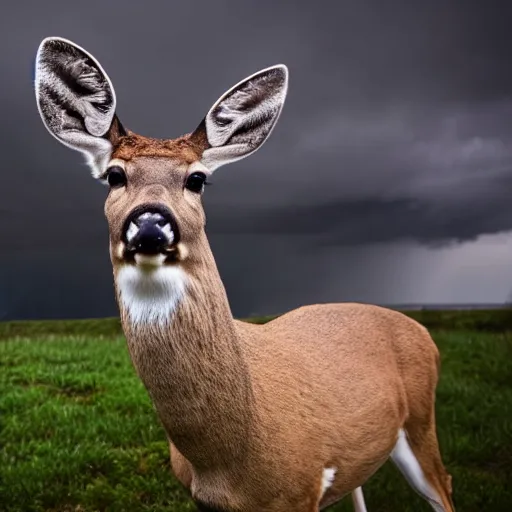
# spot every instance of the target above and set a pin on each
(397, 125)
(383, 220)
(432, 177)
(384, 101)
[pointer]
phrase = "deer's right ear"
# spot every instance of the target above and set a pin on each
(76, 101)
(242, 119)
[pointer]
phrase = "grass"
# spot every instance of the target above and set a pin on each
(488, 320)
(79, 434)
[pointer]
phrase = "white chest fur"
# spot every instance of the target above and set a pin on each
(150, 296)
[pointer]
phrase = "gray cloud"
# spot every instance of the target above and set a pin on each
(430, 176)
(397, 127)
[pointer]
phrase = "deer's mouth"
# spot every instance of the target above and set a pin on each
(150, 236)
(168, 257)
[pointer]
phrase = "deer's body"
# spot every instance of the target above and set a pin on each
(289, 416)
(259, 412)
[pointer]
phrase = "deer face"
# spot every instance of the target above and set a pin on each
(154, 210)
(153, 207)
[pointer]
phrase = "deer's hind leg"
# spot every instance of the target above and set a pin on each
(358, 500)
(417, 456)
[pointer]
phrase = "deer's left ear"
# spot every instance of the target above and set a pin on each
(76, 100)
(242, 119)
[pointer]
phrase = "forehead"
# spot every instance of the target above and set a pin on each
(133, 146)
(151, 159)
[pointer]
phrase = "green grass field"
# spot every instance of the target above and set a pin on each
(78, 432)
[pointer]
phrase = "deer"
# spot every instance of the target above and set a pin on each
(287, 416)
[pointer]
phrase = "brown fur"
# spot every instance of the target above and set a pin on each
(131, 146)
(254, 413)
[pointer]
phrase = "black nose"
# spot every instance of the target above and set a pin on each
(150, 230)
(150, 238)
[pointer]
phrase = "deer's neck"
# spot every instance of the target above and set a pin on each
(191, 360)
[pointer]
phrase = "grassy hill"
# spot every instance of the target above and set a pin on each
(79, 434)
(481, 320)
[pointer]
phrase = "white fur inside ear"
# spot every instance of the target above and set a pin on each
(75, 99)
(151, 296)
(243, 118)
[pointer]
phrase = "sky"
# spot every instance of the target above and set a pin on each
(387, 179)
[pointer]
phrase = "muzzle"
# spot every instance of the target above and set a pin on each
(150, 229)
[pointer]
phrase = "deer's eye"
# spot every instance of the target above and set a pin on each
(116, 177)
(196, 181)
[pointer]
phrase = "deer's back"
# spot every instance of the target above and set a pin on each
(336, 340)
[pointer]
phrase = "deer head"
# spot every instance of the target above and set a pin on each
(153, 208)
